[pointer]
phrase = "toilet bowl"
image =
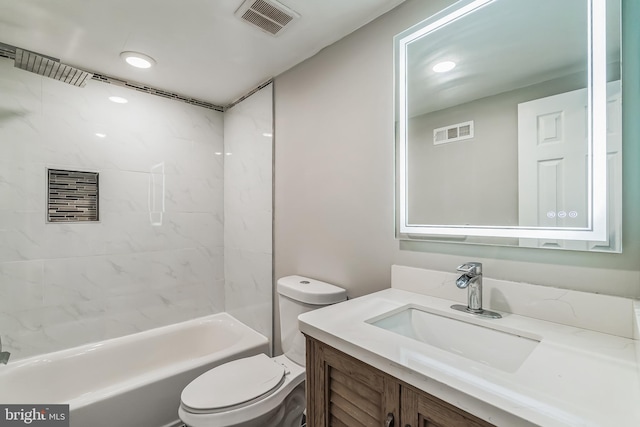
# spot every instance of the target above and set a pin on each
(254, 391)
(260, 391)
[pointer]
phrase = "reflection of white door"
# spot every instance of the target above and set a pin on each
(552, 166)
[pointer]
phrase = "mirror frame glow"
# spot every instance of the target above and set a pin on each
(596, 229)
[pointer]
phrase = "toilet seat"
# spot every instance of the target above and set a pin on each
(233, 384)
(196, 407)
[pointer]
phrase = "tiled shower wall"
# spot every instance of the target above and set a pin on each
(156, 255)
(248, 188)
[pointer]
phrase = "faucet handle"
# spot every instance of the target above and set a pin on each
(471, 268)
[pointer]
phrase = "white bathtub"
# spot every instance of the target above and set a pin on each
(132, 381)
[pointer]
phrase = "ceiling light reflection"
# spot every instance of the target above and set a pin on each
(118, 99)
(444, 66)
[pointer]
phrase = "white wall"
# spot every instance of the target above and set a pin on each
(334, 181)
(67, 284)
(248, 189)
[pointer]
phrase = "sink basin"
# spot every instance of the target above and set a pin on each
(499, 349)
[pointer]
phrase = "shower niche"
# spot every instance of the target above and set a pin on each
(72, 196)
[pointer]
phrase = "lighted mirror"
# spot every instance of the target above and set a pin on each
(508, 119)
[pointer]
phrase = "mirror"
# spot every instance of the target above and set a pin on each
(508, 119)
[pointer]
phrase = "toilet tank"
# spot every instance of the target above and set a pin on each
(297, 295)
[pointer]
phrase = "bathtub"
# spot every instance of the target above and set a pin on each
(132, 381)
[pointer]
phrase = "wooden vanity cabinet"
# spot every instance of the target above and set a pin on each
(342, 391)
(345, 392)
(420, 409)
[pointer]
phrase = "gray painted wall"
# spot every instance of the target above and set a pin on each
(473, 181)
(334, 176)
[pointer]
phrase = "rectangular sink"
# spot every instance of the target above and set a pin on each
(492, 347)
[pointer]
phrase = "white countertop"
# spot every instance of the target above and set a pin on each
(574, 377)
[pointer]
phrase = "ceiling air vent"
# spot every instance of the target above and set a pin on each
(453, 133)
(268, 15)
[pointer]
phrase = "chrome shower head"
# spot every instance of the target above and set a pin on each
(50, 67)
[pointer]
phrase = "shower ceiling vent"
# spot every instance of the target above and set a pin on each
(268, 15)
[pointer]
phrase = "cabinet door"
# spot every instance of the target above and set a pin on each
(422, 410)
(344, 392)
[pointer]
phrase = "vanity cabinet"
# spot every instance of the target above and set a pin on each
(343, 391)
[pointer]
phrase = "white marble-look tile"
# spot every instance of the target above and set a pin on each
(203, 264)
(71, 334)
(79, 239)
(120, 324)
(136, 232)
(210, 154)
(200, 229)
(190, 296)
(249, 230)
(249, 289)
(143, 263)
(105, 285)
(249, 165)
(147, 272)
(21, 285)
(21, 320)
(71, 314)
(22, 186)
(600, 313)
(25, 343)
(147, 310)
(124, 191)
(28, 236)
(76, 280)
(189, 194)
(248, 214)
(19, 140)
(217, 295)
(19, 90)
(22, 236)
(131, 232)
(162, 131)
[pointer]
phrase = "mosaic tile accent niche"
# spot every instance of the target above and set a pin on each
(72, 196)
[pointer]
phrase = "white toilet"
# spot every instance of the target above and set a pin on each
(260, 391)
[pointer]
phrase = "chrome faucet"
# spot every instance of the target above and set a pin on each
(4, 355)
(472, 280)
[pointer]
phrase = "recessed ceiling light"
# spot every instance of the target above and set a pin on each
(444, 66)
(118, 99)
(101, 135)
(267, 134)
(137, 59)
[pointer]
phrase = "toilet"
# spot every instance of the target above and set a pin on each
(261, 391)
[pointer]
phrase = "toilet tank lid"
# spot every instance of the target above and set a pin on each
(310, 291)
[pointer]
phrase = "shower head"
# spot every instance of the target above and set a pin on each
(50, 67)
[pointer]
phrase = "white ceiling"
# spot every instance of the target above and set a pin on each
(504, 46)
(202, 50)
